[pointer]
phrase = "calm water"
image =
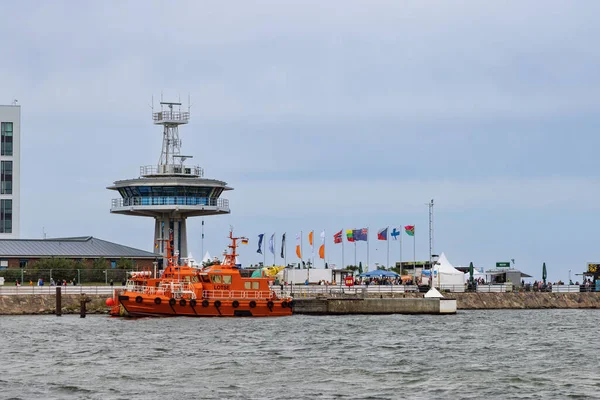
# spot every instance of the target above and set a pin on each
(474, 354)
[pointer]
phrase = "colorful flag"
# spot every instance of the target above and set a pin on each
(350, 235)
(283, 246)
(272, 244)
(260, 238)
(310, 238)
(298, 241)
(382, 234)
(156, 245)
(410, 230)
(395, 233)
(322, 248)
(361, 234)
(244, 241)
(337, 238)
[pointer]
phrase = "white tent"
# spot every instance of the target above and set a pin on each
(206, 258)
(445, 276)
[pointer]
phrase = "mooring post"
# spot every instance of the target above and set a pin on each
(58, 302)
(82, 301)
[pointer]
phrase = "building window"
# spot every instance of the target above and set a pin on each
(3, 264)
(23, 263)
(6, 216)
(113, 264)
(6, 138)
(6, 177)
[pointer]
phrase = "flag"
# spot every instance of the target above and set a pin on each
(282, 246)
(272, 244)
(337, 238)
(322, 248)
(361, 234)
(395, 233)
(310, 238)
(382, 234)
(350, 235)
(260, 238)
(244, 241)
(298, 239)
(156, 245)
(410, 230)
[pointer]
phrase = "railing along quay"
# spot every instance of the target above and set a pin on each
(21, 290)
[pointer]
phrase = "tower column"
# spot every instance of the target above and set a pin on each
(183, 238)
(157, 247)
(176, 238)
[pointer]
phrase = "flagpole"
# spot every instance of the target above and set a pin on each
(355, 264)
(264, 251)
(284, 251)
(324, 248)
(343, 266)
(387, 238)
(415, 259)
(274, 248)
(368, 247)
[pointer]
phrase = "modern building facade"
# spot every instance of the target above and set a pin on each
(10, 168)
(170, 191)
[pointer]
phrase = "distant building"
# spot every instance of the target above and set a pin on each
(10, 168)
(19, 253)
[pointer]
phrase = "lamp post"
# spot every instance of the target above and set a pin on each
(569, 277)
(105, 277)
(22, 270)
(50, 274)
(78, 277)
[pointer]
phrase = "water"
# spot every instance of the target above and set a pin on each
(475, 354)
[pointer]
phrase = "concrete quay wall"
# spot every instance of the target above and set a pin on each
(512, 300)
(46, 304)
(338, 306)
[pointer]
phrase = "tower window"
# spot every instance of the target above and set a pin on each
(6, 138)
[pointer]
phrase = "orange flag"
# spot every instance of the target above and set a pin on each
(298, 241)
(322, 251)
(310, 238)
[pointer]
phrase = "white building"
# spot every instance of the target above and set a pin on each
(10, 169)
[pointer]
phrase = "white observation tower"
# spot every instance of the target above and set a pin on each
(170, 191)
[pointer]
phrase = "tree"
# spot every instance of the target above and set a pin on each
(360, 268)
(326, 266)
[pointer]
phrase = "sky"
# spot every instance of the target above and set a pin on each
(323, 116)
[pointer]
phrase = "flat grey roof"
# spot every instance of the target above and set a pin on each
(73, 247)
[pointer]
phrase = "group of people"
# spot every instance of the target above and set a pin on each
(40, 282)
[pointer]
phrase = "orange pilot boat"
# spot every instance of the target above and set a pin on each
(218, 290)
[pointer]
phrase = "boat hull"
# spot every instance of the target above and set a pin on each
(143, 306)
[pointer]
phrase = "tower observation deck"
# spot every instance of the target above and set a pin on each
(170, 191)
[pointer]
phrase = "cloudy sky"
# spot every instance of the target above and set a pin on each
(321, 115)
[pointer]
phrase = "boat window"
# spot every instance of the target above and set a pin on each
(255, 285)
(247, 285)
(205, 278)
(227, 279)
(194, 279)
(216, 278)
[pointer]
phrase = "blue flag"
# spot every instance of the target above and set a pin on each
(395, 233)
(361, 234)
(260, 238)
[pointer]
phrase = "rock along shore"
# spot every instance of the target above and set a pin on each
(46, 304)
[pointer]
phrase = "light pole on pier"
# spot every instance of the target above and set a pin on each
(105, 277)
(78, 277)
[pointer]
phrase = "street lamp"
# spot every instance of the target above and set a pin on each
(22, 270)
(105, 277)
(569, 277)
(50, 274)
(78, 277)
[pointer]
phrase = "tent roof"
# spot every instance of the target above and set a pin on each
(207, 257)
(380, 273)
(444, 266)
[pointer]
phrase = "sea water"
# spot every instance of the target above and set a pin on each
(472, 355)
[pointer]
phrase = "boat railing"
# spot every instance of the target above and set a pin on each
(176, 290)
(236, 294)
